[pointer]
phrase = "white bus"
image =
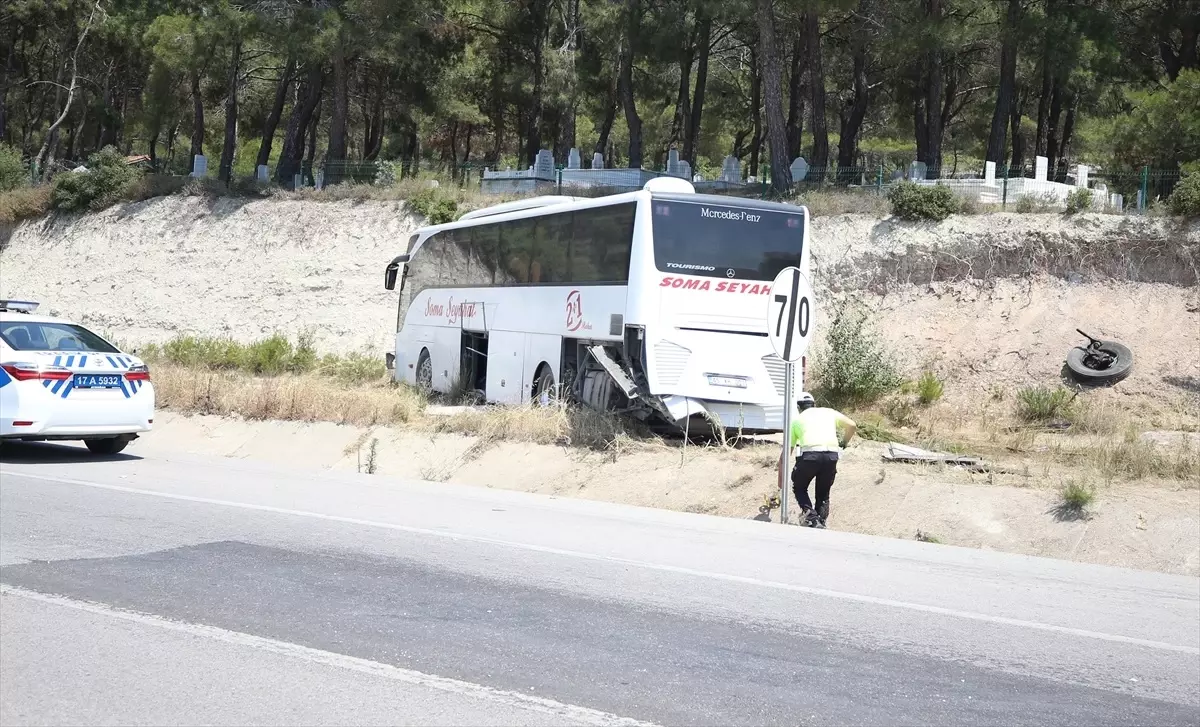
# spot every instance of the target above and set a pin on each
(652, 302)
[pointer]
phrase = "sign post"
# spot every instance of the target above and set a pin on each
(789, 325)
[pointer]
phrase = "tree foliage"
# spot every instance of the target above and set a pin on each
(427, 83)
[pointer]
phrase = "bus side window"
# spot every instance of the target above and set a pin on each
(602, 240)
(485, 245)
(518, 239)
(553, 248)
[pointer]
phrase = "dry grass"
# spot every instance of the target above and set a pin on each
(320, 396)
(559, 425)
(827, 203)
(24, 203)
(305, 397)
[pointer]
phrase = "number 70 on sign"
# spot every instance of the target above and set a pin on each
(790, 319)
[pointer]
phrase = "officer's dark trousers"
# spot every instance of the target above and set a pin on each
(819, 466)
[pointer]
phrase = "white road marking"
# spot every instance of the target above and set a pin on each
(728, 577)
(566, 712)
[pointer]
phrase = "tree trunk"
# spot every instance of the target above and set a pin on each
(1018, 137)
(314, 130)
(1052, 130)
(335, 153)
(1043, 117)
(816, 79)
(1068, 131)
(9, 60)
(781, 171)
(625, 83)
(225, 172)
(683, 100)
(610, 117)
(533, 133)
(197, 147)
(302, 112)
(755, 110)
(920, 122)
(703, 44)
(272, 122)
(855, 108)
(796, 95)
(1008, 79)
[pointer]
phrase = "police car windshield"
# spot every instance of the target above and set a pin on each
(725, 241)
(49, 336)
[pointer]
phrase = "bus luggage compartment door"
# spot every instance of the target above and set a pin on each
(506, 367)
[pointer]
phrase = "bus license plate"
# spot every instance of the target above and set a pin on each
(731, 382)
(96, 381)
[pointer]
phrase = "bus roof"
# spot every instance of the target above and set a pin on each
(549, 204)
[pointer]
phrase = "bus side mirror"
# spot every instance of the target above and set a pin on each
(392, 271)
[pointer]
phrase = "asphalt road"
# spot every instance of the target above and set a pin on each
(195, 590)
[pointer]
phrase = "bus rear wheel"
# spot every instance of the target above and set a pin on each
(543, 386)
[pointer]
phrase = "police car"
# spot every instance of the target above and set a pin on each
(60, 381)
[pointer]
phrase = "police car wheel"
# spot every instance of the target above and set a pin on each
(108, 445)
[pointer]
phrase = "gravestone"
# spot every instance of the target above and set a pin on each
(320, 179)
(685, 170)
(989, 173)
(597, 161)
(917, 171)
(263, 173)
(297, 181)
(543, 165)
(673, 162)
(731, 170)
(573, 160)
(799, 169)
(199, 166)
(698, 178)
(1041, 167)
(1081, 176)
(1117, 202)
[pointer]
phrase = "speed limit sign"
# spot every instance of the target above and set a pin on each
(791, 314)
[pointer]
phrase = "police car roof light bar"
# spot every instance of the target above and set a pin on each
(19, 306)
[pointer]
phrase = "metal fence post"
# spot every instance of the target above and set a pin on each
(1144, 189)
(879, 181)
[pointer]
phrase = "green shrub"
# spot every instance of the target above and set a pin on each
(1079, 200)
(1042, 404)
(435, 207)
(106, 180)
(929, 388)
(385, 174)
(854, 367)
(13, 173)
(354, 368)
(1185, 198)
(1031, 203)
(914, 202)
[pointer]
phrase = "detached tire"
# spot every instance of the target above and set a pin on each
(1121, 367)
(106, 446)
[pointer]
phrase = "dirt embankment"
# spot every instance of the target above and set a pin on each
(986, 300)
(990, 302)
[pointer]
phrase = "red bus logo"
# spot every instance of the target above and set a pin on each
(574, 311)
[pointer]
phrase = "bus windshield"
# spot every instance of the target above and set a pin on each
(723, 241)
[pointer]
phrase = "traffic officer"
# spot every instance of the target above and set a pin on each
(818, 433)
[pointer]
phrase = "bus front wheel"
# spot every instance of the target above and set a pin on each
(424, 372)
